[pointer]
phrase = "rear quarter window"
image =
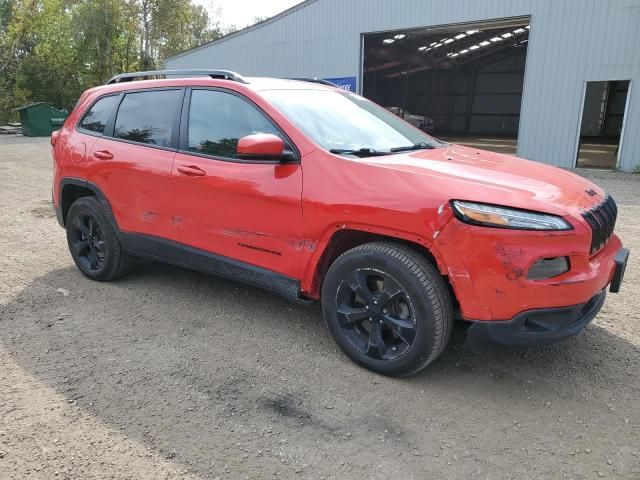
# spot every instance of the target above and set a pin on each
(97, 117)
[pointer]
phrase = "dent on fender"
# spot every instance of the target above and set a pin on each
(445, 215)
(311, 245)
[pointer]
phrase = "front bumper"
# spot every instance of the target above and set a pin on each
(546, 326)
(537, 327)
(488, 269)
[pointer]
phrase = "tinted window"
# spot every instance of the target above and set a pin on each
(147, 117)
(98, 115)
(217, 120)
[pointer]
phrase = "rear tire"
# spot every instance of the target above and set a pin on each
(93, 243)
(388, 308)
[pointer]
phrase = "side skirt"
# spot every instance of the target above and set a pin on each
(195, 259)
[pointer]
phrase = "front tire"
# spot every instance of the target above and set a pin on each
(93, 243)
(388, 308)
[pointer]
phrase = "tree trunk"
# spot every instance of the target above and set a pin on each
(146, 26)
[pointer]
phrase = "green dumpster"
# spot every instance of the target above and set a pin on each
(39, 119)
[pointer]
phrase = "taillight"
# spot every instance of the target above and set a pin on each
(54, 137)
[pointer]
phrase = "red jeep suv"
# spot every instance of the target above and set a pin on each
(319, 194)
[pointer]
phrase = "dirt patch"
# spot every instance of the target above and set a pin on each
(168, 373)
(44, 209)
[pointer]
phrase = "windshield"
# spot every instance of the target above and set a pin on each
(346, 123)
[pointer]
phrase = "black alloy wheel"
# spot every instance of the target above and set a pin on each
(376, 314)
(87, 240)
(387, 307)
(92, 240)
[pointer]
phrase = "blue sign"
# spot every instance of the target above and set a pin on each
(345, 83)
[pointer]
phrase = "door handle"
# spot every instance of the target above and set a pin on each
(103, 155)
(191, 171)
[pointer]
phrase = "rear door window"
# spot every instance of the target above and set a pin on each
(96, 119)
(148, 117)
(217, 120)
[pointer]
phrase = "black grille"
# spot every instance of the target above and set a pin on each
(602, 220)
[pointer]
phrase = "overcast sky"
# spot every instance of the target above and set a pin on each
(242, 12)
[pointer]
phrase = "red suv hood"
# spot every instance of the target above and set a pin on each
(458, 172)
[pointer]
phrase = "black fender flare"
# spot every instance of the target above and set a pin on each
(79, 182)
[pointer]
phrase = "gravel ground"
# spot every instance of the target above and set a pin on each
(168, 373)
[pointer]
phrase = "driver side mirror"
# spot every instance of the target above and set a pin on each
(263, 146)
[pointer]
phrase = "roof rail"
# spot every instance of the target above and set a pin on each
(314, 80)
(221, 74)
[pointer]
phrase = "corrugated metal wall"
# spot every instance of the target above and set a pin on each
(571, 42)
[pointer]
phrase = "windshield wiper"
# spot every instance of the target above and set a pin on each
(360, 152)
(416, 146)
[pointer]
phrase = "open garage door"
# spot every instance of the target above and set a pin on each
(462, 83)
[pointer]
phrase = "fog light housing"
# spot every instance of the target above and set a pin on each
(548, 268)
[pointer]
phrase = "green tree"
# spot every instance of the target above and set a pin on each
(171, 26)
(52, 50)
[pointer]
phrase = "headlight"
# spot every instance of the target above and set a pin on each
(505, 217)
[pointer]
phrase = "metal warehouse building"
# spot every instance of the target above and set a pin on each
(555, 80)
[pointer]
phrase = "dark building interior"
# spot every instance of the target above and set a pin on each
(464, 82)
